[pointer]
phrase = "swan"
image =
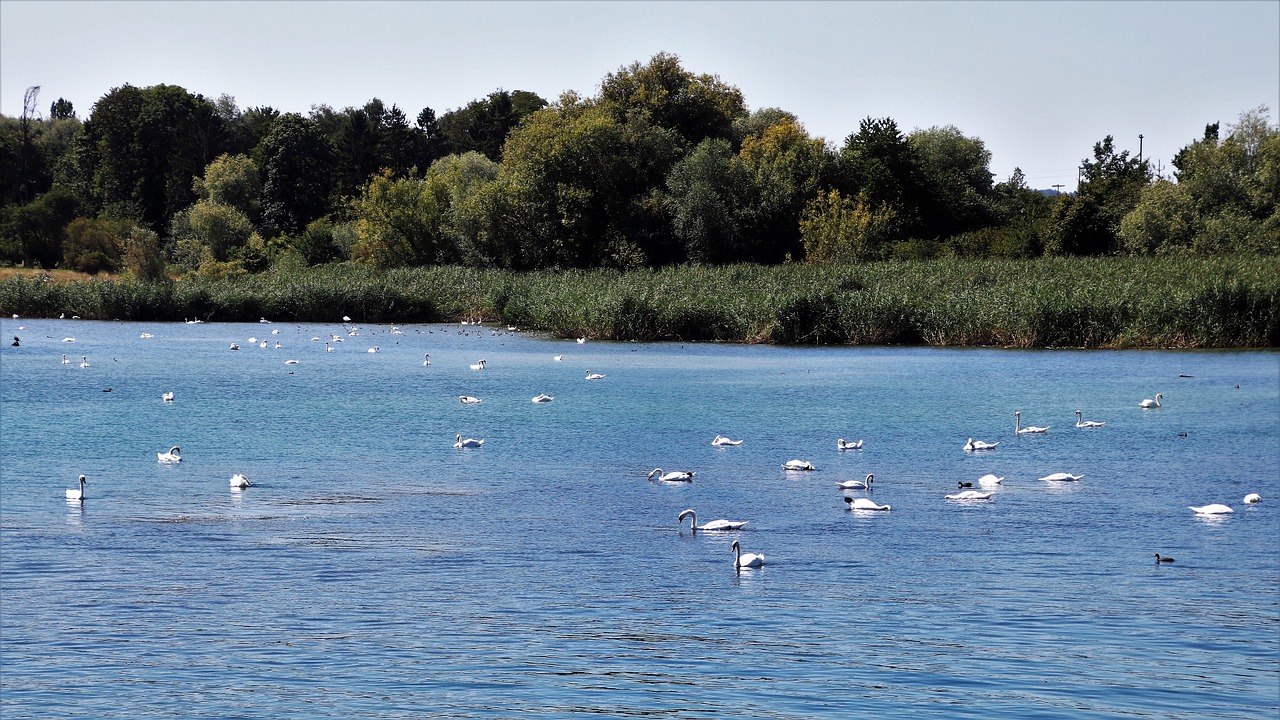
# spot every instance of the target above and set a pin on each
(167, 397)
(864, 504)
(65, 339)
(77, 494)
(1148, 403)
(328, 347)
(170, 457)
(558, 358)
(970, 495)
(252, 340)
(842, 445)
(798, 465)
(594, 376)
(1211, 509)
(468, 443)
(468, 400)
(543, 398)
(581, 340)
(1252, 498)
(275, 332)
(857, 484)
(1162, 558)
(741, 559)
(290, 362)
(426, 359)
(277, 344)
(239, 481)
(975, 445)
(262, 344)
(265, 321)
(1062, 477)
(479, 365)
(1082, 423)
(65, 361)
(373, 349)
(84, 361)
(989, 480)
(145, 336)
(346, 319)
(673, 476)
(234, 346)
(722, 441)
(1028, 430)
(694, 527)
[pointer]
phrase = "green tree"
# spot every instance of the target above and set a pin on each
(61, 109)
(453, 181)
(705, 192)
(483, 125)
(1088, 222)
(783, 167)
(91, 246)
(696, 107)
(143, 257)
(956, 174)
(299, 164)
(845, 230)
(212, 225)
(398, 223)
(879, 161)
(232, 180)
(33, 232)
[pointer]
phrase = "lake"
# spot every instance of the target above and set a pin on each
(373, 570)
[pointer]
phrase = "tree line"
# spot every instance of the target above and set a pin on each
(661, 167)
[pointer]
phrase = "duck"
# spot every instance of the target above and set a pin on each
(1062, 477)
(747, 560)
(673, 476)
(722, 441)
(1163, 558)
(171, 457)
(16, 342)
(479, 365)
(65, 361)
(542, 398)
(1149, 404)
(865, 504)
(970, 495)
(989, 480)
(468, 443)
(468, 400)
(84, 361)
(167, 397)
(1082, 423)
(426, 359)
(842, 445)
(975, 445)
(594, 376)
(963, 484)
(1252, 499)
(77, 494)
(1211, 509)
(857, 484)
(694, 527)
(1028, 430)
(239, 481)
(798, 465)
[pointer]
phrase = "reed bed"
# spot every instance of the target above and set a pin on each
(1231, 301)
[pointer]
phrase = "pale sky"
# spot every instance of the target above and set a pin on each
(1039, 82)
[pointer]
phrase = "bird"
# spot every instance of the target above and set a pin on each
(239, 481)
(989, 480)
(65, 339)
(975, 445)
(264, 320)
(234, 346)
(857, 484)
(542, 398)
(594, 376)
(328, 347)
(1162, 558)
(1062, 477)
(1149, 404)
(290, 362)
(167, 397)
(722, 441)
(145, 336)
(842, 445)
(277, 344)
(1252, 499)
(77, 494)
(741, 559)
(970, 495)
(1211, 509)
(468, 443)
(346, 319)
(963, 484)
(864, 504)
(262, 344)
(479, 365)
(65, 361)
(84, 361)
(581, 340)
(16, 342)
(426, 359)
(673, 476)
(694, 527)
(1028, 430)
(252, 340)
(373, 349)
(171, 457)
(798, 465)
(468, 400)
(1082, 423)
(558, 358)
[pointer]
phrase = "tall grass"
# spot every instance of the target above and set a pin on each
(1077, 302)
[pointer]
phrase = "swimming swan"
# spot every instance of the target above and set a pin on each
(542, 398)
(468, 443)
(170, 457)
(673, 476)
(1062, 477)
(857, 484)
(1082, 423)
(84, 361)
(239, 481)
(1149, 404)
(842, 445)
(970, 495)
(1028, 430)
(479, 365)
(77, 494)
(722, 441)
(741, 559)
(975, 445)
(864, 504)
(989, 480)
(468, 400)
(798, 465)
(1212, 509)
(426, 359)
(167, 397)
(65, 361)
(1252, 498)
(594, 376)
(694, 527)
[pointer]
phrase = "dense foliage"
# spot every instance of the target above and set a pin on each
(661, 167)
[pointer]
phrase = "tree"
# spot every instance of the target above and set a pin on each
(232, 180)
(705, 190)
(694, 106)
(60, 109)
(845, 230)
(783, 167)
(397, 222)
(91, 246)
(212, 225)
(143, 259)
(957, 180)
(1088, 222)
(35, 230)
(880, 162)
(483, 125)
(1164, 220)
(299, 164)
(453, 181)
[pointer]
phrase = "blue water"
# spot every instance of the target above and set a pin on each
(372, 570)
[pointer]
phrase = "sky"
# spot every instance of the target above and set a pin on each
(1038, 82)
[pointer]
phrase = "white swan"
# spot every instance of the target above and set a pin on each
(557, 358)
(975, 445)
(234, 346)
(842, 445)
(277, 344)
(145, 336)
(1211, 509)
(971, 495)
(68, 339)
(167, 397)
(722, 441)
(426, 359)
(84, 361)
(478, 365)
(239, 481)
(989, 480)
(865, 504)
(373, 349)
(1252, 499)
(594, 376)
(262, 344)
(1148, 403)
(1028, 430)
(290, 362)
(1082, 423)
(65, 361)
(468, 443)
(252, 340)
(171, 457)
(857, 484)
(581, 340)
(1062, 477)
(673, 476)
(328, 347)
(468, 400)
(542, 398)
(747, 560)
(798, 465)
(77, 494)
(694, 527)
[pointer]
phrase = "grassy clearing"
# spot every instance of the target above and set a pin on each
(1048, 302)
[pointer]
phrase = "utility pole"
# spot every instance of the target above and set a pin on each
(1139, 148)
(1057, 187)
